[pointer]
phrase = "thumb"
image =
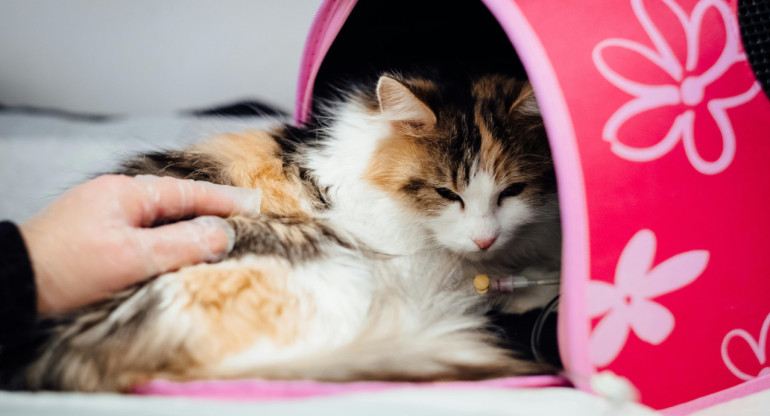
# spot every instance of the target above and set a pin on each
(169, 247)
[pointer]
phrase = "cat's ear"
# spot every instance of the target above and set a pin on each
(526, 103)
(398, 103)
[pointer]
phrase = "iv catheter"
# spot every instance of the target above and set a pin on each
(482, 283)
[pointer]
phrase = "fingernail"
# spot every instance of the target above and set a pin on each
(249, 200)
(208, 221)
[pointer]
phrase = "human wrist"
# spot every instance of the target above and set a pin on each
(45, 285)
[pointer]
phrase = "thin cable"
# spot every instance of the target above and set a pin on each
(537, 330)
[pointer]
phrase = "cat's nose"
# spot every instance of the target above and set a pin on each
(484, 243)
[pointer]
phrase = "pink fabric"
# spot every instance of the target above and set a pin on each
(327, 24)
(669, 130)
(281, 390)
(627, 304)
(756, 385)
(572, 327)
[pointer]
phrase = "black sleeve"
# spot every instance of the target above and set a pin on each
(18, 297)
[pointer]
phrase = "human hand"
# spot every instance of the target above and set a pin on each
(99, 238)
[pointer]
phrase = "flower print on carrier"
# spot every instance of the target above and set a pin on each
(690, 108)
(627, 304)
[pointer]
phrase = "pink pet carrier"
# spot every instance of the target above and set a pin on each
(660, 132)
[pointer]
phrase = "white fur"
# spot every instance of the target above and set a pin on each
(370, 214)
(335, 295)
(456, 228)
(370, 319)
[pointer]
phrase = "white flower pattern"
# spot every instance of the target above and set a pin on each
(757, 346)
(627, 305)
(686, 89)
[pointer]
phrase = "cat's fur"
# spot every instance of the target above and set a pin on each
(359, 265)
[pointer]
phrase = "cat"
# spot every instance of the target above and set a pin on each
(374, 219)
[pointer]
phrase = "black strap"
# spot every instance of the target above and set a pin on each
(18, 297)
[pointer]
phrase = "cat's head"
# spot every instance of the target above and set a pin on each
(469, 158)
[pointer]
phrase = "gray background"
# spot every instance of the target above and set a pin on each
(143, 59)
(150, 56)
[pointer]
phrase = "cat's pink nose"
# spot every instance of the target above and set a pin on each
(484, 243)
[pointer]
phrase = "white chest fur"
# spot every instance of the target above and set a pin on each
(370, 214)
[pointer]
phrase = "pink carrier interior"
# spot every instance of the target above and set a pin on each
(281, 390)
(660, 133)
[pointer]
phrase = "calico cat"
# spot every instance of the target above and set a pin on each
(373, 221)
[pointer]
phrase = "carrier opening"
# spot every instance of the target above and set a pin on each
(405, 35)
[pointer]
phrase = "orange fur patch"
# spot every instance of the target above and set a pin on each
(239, 304)
(396, 160)
(253, 161)
(404, 168)
(493, 157)
(492, 154)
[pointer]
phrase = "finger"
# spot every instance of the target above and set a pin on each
(169, 247)
(248, 201)
(170, 198)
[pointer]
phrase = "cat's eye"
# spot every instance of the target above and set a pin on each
(511, 191)
(448, 194)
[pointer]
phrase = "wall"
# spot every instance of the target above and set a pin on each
(150, 56)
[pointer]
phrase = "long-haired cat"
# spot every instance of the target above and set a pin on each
(358, 267)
